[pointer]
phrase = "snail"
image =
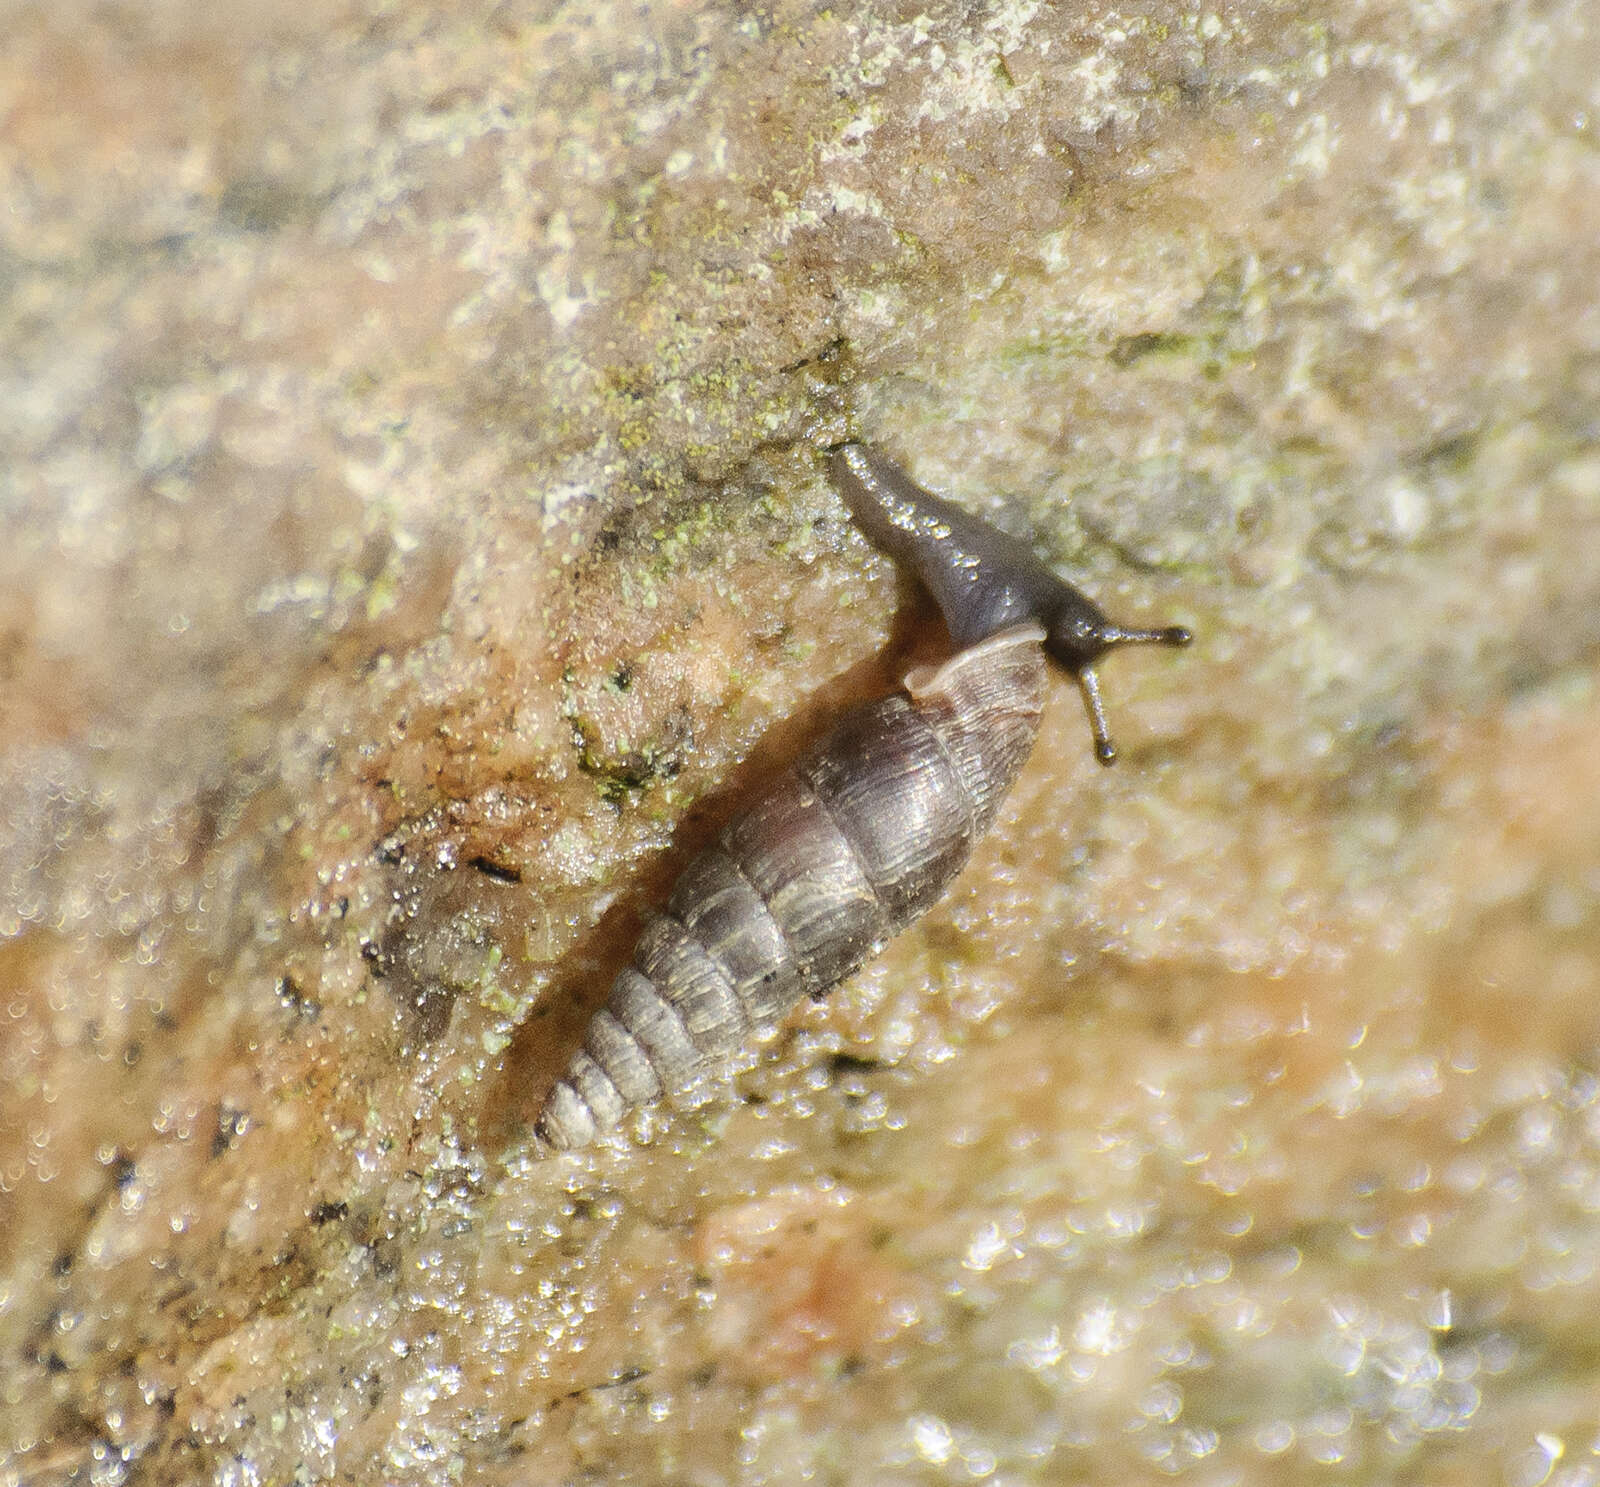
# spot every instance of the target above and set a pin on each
(866, 829)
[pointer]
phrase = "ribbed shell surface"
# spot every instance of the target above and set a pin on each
(857, 839)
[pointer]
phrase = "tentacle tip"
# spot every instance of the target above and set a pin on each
(1112, 634)
(1105, 751)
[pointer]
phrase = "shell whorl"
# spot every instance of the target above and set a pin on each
(858, 838)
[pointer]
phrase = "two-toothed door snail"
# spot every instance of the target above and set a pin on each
(866, 829)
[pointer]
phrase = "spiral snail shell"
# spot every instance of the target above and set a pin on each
(863, 833)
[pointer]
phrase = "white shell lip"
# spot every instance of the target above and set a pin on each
(923, 681)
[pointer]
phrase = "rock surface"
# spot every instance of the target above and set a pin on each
(415, 544)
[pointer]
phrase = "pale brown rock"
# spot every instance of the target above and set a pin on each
(413, 545)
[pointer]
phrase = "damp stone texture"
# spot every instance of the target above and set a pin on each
(417, 542)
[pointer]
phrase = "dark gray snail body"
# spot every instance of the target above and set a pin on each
(983, 579)
(863, 833)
